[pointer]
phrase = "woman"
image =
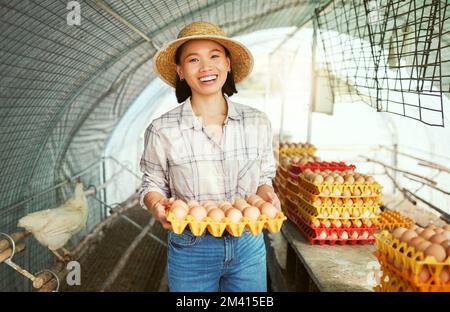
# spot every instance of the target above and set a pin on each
(208, 148)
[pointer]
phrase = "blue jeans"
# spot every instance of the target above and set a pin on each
(208, 263)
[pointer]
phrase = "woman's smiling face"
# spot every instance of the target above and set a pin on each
(204, 65)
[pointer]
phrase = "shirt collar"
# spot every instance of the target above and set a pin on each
(189, 120)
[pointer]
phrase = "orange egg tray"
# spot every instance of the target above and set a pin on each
(411, 262)
(217, 228)
(312, 234)
(317, 189)
(390, 282)
(390, 220)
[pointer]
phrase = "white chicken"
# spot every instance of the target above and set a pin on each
(54, 227)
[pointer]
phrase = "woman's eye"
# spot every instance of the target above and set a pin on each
(215, 56)
(193, 60)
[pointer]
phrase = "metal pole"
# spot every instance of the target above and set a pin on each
(312, 105)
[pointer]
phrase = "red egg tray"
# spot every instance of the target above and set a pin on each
(321, 165)
(312, 234)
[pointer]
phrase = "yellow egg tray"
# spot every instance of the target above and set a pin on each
(389, 282)
(367, 201)
(297, 150)
(365, 211)
(390, 220)
(217, 228)
(312, 214)
(411, 261)
(317, 189)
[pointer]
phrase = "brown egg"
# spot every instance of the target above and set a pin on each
(323, 235)
(180, 203)
(423, 245)
(365, 235)
(209, 202)
(415, 241)
(438, 230)
(192, 203)
(234, 215)
(252, 213)
(446, 234)
(241, 205)
(239, 201)
(329, 179)
(225, 206)
(269, 210)
(210, 207)
(431, 226)
(398, 232)
(216, 214)
(437, 238)
(317, 179)
(198, 213)
(445, 275)
(339, 179)
(178, 211)
(259, 204)
(424, 275)
(407, 235)
(333, 236)
(446, 244)
(427, 233)
(436, 251)
(419, 230)
(346, 193)
(349, 179)
(446, 227)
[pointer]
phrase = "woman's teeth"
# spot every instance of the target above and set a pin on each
(208, 78)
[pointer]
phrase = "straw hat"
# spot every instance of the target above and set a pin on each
(240, 56)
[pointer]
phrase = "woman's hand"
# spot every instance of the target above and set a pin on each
(158, 210)
(274, 200)
(157, 204)
(266, 192)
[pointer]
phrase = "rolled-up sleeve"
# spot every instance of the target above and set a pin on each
(268, 167)
(153, 165)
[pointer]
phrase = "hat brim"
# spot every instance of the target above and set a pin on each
(164, 60)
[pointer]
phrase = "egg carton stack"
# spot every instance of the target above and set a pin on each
(290, 152)
(330, 203)
(296, 149)
(252, 213)
(414, 259)
(390, 220)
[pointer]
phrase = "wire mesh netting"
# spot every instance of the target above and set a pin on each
(393, 54)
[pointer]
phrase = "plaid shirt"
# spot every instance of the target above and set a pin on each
(181, 159)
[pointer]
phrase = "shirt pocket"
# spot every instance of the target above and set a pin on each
(249, 167)
(182, 178)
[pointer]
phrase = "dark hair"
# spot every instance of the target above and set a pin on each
(182, 89)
